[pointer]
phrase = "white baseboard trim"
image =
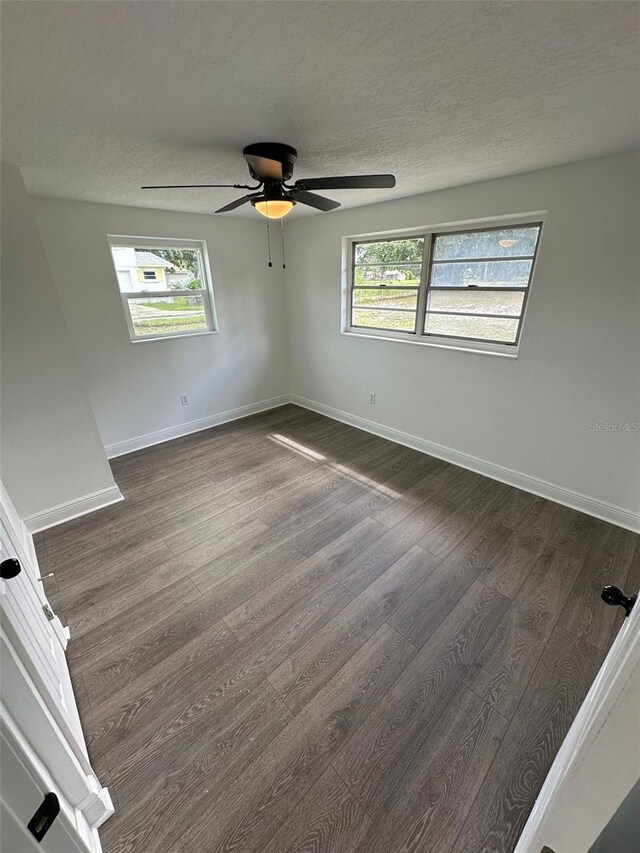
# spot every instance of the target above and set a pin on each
(130, 445)
(576, 500)
(72, 509)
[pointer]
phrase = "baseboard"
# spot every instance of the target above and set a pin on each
(120, 448)
(576, 500)
(72, 509)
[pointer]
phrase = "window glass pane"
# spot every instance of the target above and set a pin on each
(141, 270)
(483, 328)
(481, 274)
(382, 297)
(476, 302)
(487, 244)
(383, 274)
(391, 320)
(168, 315)
(390, 251)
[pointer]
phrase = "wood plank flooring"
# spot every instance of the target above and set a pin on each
(295, 636)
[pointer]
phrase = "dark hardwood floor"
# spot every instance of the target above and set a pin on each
(293, 636)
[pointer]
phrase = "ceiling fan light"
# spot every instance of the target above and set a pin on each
(274, 208)
(507, 244)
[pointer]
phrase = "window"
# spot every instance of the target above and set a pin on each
(466, 287)
(386, 282)
(165, 286)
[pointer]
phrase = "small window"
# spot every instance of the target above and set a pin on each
(467, 286)
(165, 287)
(386, 280)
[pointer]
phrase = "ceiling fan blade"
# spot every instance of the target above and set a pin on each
(232, 205)
(348, 182)
(264, 168)
(313, 200)
(197, 186)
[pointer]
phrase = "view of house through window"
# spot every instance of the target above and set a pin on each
(164, 288)
(465, 285)
(386, 280)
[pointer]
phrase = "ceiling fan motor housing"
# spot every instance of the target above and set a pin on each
(273, 191)
(283, 154)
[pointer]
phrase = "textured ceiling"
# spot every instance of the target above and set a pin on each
(100, 97)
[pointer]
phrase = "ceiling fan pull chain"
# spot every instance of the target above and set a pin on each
(284, 265)
(269, 243)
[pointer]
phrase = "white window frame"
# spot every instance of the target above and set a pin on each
(151, 243)
(429, 233)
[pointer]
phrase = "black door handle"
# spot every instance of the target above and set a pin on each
(616, 598)
(10, 568)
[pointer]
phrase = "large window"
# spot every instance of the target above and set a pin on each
(465, 286)
(165, 287)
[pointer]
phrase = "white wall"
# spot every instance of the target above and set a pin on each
(579, 359)
(51, 451)
(135, 388)
(578, 364)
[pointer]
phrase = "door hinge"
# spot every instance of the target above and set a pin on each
(48, 612)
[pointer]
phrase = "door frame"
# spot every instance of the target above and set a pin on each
(46, 736)
(21, 541)
(79, 834)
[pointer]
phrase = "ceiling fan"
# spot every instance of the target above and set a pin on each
(271, 165)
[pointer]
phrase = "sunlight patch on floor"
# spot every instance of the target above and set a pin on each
(303, 450)
(290, 444)
(366, 481)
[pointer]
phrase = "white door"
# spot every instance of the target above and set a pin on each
(41, 639)
(598, 764)
(40, 722)
(23, 792)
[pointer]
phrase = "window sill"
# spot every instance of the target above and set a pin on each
(174, 337)
(439, 343)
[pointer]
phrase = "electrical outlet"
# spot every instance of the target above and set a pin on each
(372, 397)
(184, 400)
